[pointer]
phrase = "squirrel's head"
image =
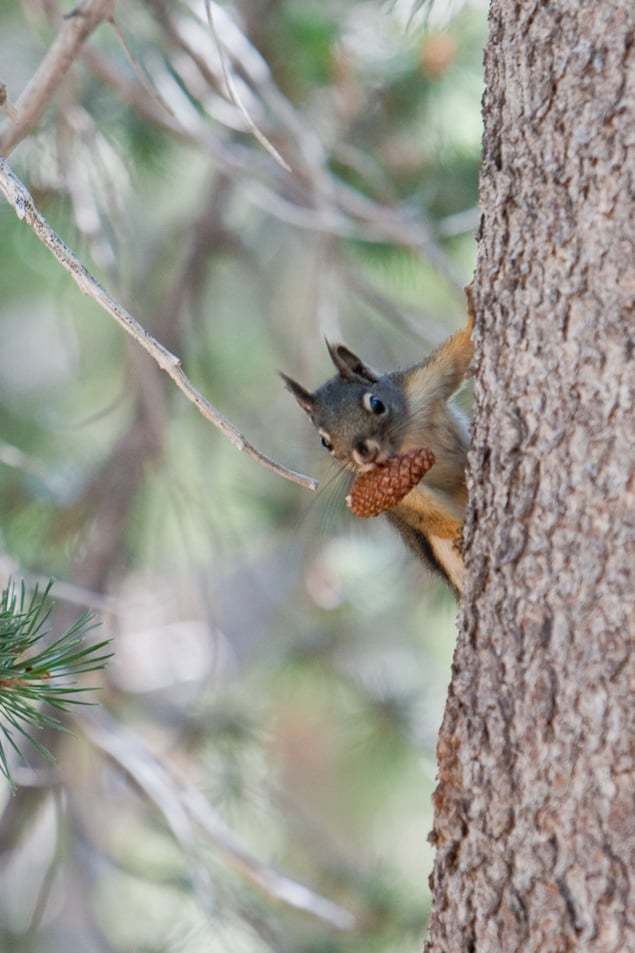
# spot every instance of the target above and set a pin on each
(357, 413)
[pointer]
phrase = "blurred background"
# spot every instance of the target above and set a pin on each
(257, 773)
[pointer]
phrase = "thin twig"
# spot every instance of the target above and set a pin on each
(340, 210)
(232, 92)
(270, 881)
(128, 753)
(19, 197)
(460, 223)
(175, 797)
(77, 26)
(137, 69)
(328, 193)
(5, 103)
(64, 591)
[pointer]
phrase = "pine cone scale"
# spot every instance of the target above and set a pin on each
(384, 487)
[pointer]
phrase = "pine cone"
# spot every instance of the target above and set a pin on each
(380, 489)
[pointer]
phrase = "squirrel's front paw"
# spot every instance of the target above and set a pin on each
(384, 487)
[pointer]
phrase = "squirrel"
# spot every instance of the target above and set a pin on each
(365, 418)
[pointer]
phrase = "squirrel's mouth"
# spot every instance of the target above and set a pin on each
(368, 457)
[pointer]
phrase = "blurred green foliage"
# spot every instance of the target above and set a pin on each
(288, 662)
(301, 48)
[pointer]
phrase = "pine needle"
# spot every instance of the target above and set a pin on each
(36, 673)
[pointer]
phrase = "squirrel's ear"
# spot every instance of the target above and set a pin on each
(305, 399)
(349, 365)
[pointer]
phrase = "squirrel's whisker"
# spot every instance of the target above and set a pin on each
(363, 417)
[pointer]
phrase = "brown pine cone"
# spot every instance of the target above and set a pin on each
(380, 489)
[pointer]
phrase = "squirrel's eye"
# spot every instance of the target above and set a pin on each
(374, 404)
(327, 443)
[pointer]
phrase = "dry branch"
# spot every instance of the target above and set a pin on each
(184, 806)
(77, 26)
(19, 197)
(334, 208)
(234, 96)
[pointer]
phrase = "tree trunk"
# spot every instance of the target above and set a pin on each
(534, 810)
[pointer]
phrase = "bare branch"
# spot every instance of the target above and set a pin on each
(18, 196)
(188, 128)
(340, 210)
(272, 882)
(460, 223)
(127, 752)
(232, 92)
(77, 26)
(64, 591)
(137, 69)
(5, 103)
(178, 800)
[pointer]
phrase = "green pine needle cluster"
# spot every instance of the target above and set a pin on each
(36, 672)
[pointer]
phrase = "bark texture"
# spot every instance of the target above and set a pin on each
(535, 807)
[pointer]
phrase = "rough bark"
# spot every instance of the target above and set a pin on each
(534, 810)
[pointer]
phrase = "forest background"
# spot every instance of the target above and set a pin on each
(253, 776)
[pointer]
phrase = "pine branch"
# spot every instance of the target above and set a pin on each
(34, 671)
(19, 197)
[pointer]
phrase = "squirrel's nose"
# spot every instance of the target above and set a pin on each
(365, 452)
